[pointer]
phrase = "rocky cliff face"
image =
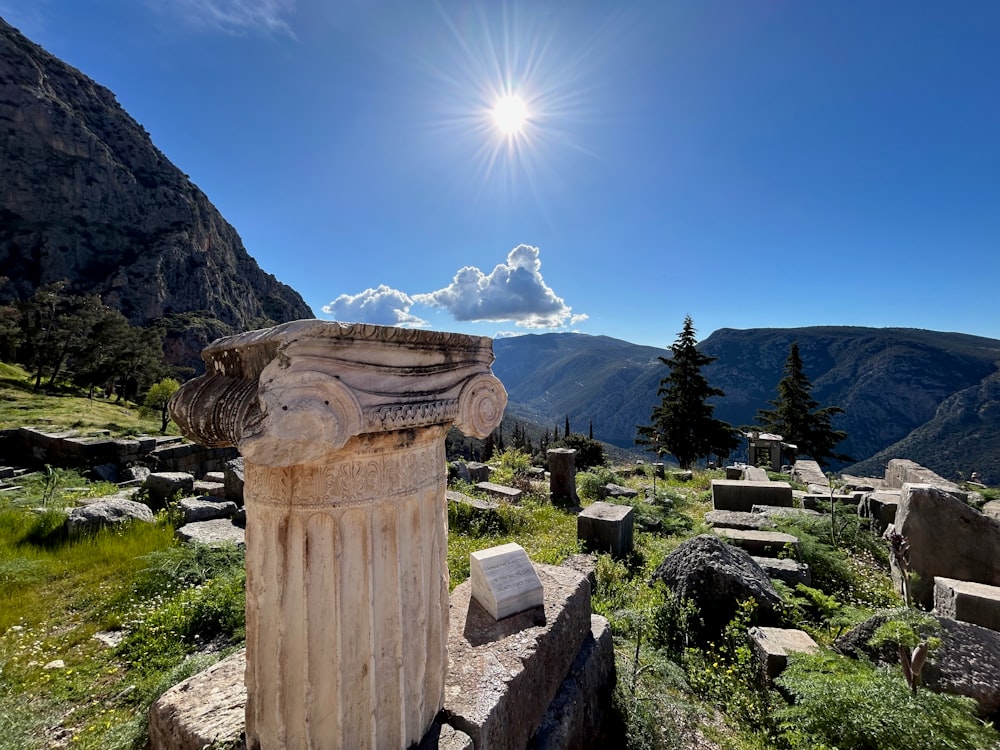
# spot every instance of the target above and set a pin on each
(86, 196)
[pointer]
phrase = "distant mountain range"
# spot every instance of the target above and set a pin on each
(86, 196)
(929, 396)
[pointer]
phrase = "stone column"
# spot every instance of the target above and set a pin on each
(342, 430)
(562, 476)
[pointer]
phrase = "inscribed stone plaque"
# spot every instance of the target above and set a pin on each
(504, 581)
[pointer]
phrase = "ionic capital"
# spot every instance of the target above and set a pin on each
(297, 392)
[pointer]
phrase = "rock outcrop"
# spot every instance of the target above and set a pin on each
(86, 196)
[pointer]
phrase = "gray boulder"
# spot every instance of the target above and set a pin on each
(216, 531)
(205, 509)
(107, 513)
(162, 485)
(717, 576)
(135, 473)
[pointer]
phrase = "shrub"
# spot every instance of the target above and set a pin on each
(852, 705)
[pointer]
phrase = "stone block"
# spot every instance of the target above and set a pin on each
(478, 472)
(741, 494)
(975, 603)
(204, 710)
(759, 543)
(738, 519)
(947, 539)
(232, 474)
(163, 485)
(685, 475)
(773, 645)
(501, 492)
(881, 507)
(504, 581)
(217, 531)
(755, 474)
(992, 509)
(606, 527)
(203, 509)
(576, 715)
(779, 511)
(785, 569)
(479, 504)
(504, 674)
(809, 472)
(734, 472)
(218, 477)
(213, 489)
(616, 490)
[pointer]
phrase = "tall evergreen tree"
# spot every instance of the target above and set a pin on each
(682, 423)
(796, 415)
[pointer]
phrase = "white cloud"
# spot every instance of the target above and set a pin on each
(383, 306)
(513, 291)
(232, 16)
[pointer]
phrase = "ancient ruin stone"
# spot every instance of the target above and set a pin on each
(947, 538)
(717, 576)
(107, 513)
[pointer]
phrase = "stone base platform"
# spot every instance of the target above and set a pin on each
(539, 679)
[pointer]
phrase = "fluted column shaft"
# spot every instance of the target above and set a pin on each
(347, 582)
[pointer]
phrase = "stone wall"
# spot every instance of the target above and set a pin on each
(32, 448)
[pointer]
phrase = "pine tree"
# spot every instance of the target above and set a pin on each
(682, 424)
(796, 415)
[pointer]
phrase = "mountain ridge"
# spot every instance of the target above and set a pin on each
(903, 389)
(86, 196)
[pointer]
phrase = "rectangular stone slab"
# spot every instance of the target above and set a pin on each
(761, 543)
(504, 581)
(741, 494)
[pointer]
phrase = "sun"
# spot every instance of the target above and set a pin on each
(510, 115)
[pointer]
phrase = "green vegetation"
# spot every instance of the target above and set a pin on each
(682, 424)
(174, 610)
(21, 405)
(797, 417)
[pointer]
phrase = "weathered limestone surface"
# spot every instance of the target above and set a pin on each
(738, 519)
(606, 527)
(204, 709)
(575, 718)
(562, 476)
(808, 472)
(341, 428)
(785, 569)
(741, 494)
(501, 492)
(975, 603)
(947, 538)
(215, 531)
(773, 645)
(163, 485)
(902, 471)
(205, 509)
(755, 474)
(108, 512)
(505, 673)
(764, 543)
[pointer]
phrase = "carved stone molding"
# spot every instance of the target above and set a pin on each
(297, 392)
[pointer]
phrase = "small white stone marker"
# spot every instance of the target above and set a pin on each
(504, 581)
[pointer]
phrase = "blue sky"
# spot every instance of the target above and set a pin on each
(751, 163)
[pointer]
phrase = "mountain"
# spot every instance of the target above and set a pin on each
(86, 196)
(929, 396)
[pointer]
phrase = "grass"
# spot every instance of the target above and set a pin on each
(177, 609)
(22, 406)
(57, 593)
